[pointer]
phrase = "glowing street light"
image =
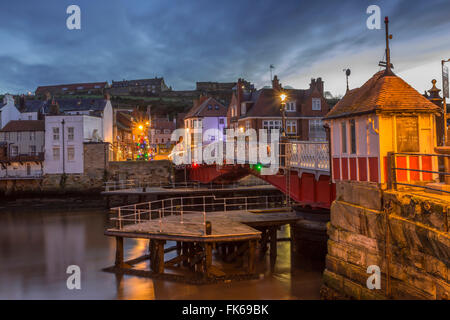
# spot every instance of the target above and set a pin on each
(283, 98)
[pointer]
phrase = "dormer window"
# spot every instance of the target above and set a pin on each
(290, 106)
(316, 104)
(209, 107)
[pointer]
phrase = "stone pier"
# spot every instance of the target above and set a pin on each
(405, 233)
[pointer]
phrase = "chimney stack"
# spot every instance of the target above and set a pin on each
(276, 85)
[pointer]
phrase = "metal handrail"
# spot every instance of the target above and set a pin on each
(158, 209)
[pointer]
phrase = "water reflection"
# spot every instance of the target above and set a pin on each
(37, 246)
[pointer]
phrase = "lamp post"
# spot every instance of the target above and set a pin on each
(283, 97)
(445, 95)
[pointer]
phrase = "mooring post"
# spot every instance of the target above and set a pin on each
(273, 246)
(119, 252)
(251, 256)
(208, 258)
(160, 256)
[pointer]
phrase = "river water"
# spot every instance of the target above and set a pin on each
(37, 246)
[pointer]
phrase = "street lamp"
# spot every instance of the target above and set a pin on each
(283, 97)
(445, 95)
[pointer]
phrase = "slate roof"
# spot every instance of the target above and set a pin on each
(66, 105)
(384, 92)
(24, 125)
(203, 109)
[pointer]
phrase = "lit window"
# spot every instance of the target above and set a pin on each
(55, 153)
(56, 134)
(291, 126)
(70, 153)
(209, 107)
(316, 104)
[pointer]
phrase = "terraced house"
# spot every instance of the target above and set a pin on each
(260, 109)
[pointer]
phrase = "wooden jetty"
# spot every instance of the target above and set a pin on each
(233, 235)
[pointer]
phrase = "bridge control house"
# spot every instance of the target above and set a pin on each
(384, 115)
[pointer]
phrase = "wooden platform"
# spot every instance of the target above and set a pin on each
(234, 234)
(226, 226)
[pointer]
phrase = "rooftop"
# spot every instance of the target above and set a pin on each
(384, 92)
(24, 125)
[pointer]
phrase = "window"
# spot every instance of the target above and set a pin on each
(271, 124)
(55, 153)
(158, 131)
(316, 130)
(14, 151)
(32, 150)
(19, 136)
(290, 106)
(32, 135)
(195, 124)
(55, 133)
(316, 104)
(209, 107)
(221, 121)
(212, 138)
(166, 131)
(70, 153)
(162, 140)
(70, 132)
(291, 126)
(247, 125)
(344, 137)
(243, 108)
(352, 136)
(30, 117)
(217, 107)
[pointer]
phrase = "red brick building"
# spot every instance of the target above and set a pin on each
(260, 109)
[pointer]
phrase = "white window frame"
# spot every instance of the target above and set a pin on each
(291, 126)
(70, 133)
(291, 106)
(55, 133)
(56, 154)
(70, 153)
(316, 104)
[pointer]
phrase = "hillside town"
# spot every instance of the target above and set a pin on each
(53, 131)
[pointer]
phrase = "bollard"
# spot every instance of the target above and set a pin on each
(208, 228)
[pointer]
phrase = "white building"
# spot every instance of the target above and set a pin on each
(64, 138)
(207, 114)
(8, 111)
(22, 149)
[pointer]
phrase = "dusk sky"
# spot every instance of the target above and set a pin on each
(204, 40)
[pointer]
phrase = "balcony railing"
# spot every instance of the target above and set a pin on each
(23, 157)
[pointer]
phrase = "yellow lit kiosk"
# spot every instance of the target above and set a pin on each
(384, 116)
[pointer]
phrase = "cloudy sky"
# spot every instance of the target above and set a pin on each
(216, 40)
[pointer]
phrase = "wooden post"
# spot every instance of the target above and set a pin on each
(185, 249)
(208, 258)
(273, 246)
(264, 240)
(158, 258)
(119, 251)
(251, 256)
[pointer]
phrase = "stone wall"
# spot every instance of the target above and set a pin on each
(96, 171)
(148, 172)
(406, 235)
